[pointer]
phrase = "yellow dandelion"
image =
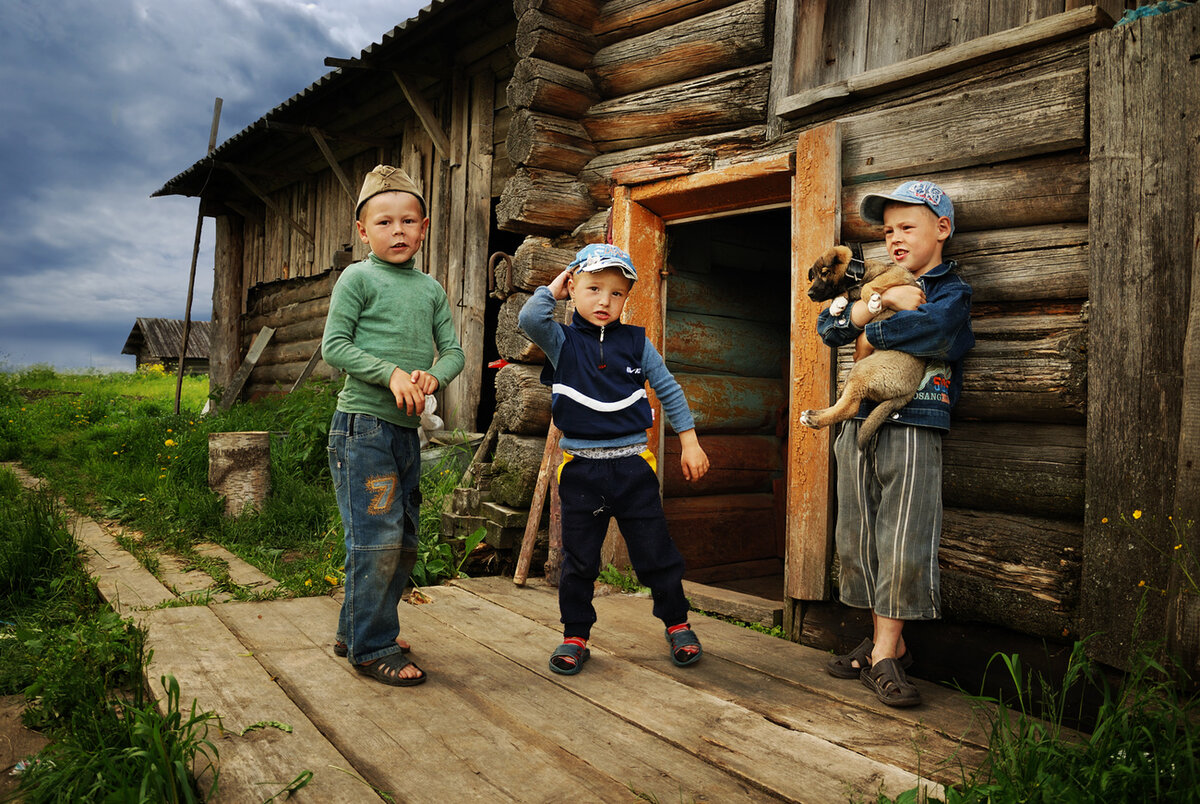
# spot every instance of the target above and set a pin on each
(1141, 583)
(1103, 520)
(308, 582)
(170, 442)
(169, 430)
(1137, 514)
(1178, 546)
(160, 477)
(332, 580)
(115, 452)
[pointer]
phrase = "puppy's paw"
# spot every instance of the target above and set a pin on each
(807, 418)
(875, 304)
(838, 305)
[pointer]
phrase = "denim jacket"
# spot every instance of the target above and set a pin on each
(939, 331)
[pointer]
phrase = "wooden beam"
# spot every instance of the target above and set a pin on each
(243, 373)
(278, 210)
(816, 223)
(307, 370)
(293, 128)
(425, 114)
(333, 163)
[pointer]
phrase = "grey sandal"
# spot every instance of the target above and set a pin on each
(887, 680)
(680, 641)
(844, 666)
(568, 658)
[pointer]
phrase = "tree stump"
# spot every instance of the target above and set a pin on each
(239, 469)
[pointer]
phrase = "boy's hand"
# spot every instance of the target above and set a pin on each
(559, 286)
(425, 381)
(903, 297)
(691, 457)
(408, 395)
(862, 347)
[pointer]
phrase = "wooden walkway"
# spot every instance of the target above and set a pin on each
(756, 720)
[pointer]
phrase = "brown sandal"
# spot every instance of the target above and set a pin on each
(886, 679)
(844, 666)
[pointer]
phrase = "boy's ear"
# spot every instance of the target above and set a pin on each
(362, 231)
(944, 227)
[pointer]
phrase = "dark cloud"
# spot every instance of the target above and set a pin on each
(102, 103)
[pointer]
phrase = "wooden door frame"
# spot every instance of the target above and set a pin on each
(809, 181)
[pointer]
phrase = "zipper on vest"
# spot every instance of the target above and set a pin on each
(602, 365)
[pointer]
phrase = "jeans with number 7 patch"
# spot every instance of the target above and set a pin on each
(376, 469)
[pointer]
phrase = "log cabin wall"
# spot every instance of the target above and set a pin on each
(992, 105)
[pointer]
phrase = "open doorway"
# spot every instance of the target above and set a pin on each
(726, 338)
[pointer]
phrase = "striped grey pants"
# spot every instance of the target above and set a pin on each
(889, 520)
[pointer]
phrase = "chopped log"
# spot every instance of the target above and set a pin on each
(512, 344)
(1018, 571)
(545, 141)
(543, 202)
(712, 344)
(594, 229)
(523, 403)
(537, 261)
(583, 12)
(731, 37)
(546, 87)
(725, 100)
(1030, 469)
(722, 529)
(624, 19)
(738, 464)
(515, 469)
(663, 161)
(726, 404)
(553, 39)
(725, 294)
(1042, 114)
(1027, 192)
(1030, 263)
(239, 469)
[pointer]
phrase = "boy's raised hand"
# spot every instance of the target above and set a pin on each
(558, 288)
(408, 396)
(425, 381)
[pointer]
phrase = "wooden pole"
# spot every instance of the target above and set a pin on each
(535, 506)
(187, 313)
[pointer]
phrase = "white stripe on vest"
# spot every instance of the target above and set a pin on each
(596, 404)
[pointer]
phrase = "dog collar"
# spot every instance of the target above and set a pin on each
(857, 267)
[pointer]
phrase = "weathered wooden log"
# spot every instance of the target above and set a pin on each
(302, 330)
(279, 373)
(288, 352)
(665, 160)
(272, 296)
(727, 404)
(594, 229)
(515, 469)
(722, 529)
(726, 294)
(1027, 192)
(1018, 571)
(545, 141)
(543, 202)
(522, 402)
(538, 260)
(556, 40)
(280, 316)
(727, 100)
(546, 87)
(239, 469)
(725, 39)
(1031, 469)
(738, 464)
(625, 19)
(511, 342)
(710, 344)
(1033, 262)
(582, 12)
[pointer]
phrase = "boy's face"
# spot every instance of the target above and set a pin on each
(393, 225)
(914, 236)
(599, 295)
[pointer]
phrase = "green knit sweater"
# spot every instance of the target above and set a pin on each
(383, 316)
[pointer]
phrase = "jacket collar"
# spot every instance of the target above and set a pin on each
(945, 267)
(583, 325)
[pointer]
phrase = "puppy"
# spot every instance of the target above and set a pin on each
(888, 377)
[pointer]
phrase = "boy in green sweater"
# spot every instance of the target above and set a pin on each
(385, 320)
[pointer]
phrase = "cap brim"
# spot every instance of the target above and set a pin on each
(873, 204)
(620, 266)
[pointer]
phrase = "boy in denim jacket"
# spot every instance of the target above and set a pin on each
(598, 369)
(385, 320)
(889, 518)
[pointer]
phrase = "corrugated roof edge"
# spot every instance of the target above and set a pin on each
(386, 42)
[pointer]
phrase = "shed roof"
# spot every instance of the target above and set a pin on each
(201, 179)
(160, 337)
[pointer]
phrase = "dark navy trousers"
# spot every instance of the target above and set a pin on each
(592, 493)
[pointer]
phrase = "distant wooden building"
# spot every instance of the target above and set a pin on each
(157, 341)
(725, 144)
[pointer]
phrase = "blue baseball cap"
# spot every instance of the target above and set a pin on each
(598, 256)
(911, 192)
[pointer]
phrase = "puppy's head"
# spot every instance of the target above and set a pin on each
(828, 274)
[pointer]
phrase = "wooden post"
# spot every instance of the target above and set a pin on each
(239, 469)
(816, 221)
(187, 313)
(535, 507)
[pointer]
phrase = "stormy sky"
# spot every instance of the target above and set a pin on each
(103, 101)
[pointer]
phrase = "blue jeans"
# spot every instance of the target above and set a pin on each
(376, 468)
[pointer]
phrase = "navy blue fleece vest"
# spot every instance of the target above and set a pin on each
(599, 388)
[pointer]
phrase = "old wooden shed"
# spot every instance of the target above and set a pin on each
(725, 144)
(156, 341)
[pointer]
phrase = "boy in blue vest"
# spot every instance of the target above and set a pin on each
(889, 519)
(598, 369)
